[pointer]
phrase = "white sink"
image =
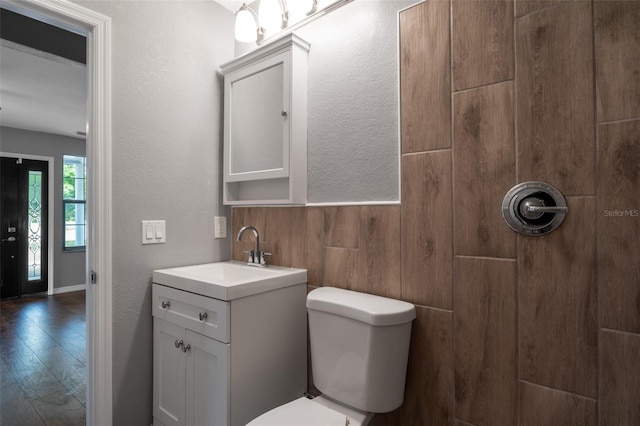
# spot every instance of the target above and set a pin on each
(229, 280)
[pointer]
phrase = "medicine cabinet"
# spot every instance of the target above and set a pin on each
(265, 124)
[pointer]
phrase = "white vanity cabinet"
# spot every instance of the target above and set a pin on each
(183, 376)
(224, 362)
(265, 124)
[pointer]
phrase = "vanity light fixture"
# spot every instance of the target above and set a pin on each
(272, 16)
(247, 28)
(299, 9)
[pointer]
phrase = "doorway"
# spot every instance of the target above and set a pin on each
(97, 28)
(24, 222)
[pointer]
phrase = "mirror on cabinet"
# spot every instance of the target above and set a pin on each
(257, 123)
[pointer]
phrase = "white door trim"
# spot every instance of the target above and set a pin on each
(97, 28)
(50, 211)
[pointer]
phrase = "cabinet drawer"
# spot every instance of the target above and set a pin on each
(187, 309)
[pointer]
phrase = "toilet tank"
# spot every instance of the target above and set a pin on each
(359, 347)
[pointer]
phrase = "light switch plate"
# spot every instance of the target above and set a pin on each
(220, 227)
(153, 232)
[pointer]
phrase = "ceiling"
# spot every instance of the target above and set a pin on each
(47, 93)
(233, 5)
(41, 92)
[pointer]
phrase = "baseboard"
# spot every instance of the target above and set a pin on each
(69, 288)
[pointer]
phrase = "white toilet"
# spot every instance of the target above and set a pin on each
(359, 352)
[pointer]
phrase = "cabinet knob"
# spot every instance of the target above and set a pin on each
(203, 316)
(284, 113)
(180, 343)
(166, 304)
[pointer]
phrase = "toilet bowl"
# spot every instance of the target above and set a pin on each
(318, 411)
(359, 352)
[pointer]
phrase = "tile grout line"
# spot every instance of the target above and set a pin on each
(622, 120)
(621, 332)
(482, 86)
(596, 167)
(516, 170)
(452, 213)
(559, 390)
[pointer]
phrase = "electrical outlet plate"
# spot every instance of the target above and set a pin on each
(220, 227)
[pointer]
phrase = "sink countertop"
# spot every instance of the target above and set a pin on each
(229, 280)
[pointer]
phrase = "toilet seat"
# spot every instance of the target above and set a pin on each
(301, 412)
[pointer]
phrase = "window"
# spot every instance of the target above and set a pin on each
(74, 196)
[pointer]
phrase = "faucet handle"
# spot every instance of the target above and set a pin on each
(262, 256)
(251, 255)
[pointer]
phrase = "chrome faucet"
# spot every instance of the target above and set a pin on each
(256, 257)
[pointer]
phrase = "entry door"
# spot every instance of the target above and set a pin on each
(24, 227)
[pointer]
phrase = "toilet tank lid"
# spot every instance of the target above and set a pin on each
(367, 308)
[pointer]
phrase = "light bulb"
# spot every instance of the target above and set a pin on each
(270, 15)
(245, 27)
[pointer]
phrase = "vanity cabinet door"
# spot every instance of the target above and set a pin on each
(169, 370)
(207, 381)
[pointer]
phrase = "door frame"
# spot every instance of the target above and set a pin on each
(51, 218)
(97, 28)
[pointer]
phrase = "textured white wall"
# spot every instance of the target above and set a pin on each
(353, 144)
(167, 115)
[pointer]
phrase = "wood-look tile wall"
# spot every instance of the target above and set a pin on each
(510, 330)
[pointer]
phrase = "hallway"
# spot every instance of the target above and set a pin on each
(43, 360)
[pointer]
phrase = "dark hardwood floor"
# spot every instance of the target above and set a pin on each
(43, 360)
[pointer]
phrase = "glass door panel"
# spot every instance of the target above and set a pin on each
(34, 230)
(33, 226)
